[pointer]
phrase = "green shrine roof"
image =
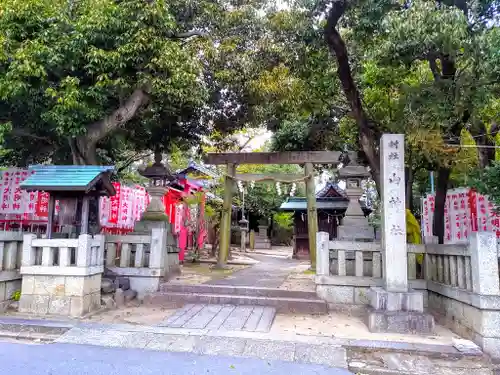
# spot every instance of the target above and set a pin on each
(65, 178)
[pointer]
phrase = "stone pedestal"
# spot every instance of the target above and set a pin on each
(355, 226)
(261, 240)
(156, 209)
(395, 308)
(155, 218)
(56, 286)
(398, 312)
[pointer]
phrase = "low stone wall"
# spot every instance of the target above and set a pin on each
(349, 269)
(143, 259)
(10, 262)
(350, 292)
(460, 283)
(468, 319)
(61, 276)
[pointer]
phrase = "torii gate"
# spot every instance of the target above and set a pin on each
(307, 158)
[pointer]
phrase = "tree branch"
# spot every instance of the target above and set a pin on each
(434, 68)
(100, 129)
(136, 157)
(29, 134)
(368, 132)
(189, 34)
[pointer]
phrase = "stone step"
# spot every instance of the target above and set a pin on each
(238, 290)
(282, 305)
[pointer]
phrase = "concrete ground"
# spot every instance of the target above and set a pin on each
(200, 273)
(337, 340)
(360, 356)
(65, 359)
(270, 272)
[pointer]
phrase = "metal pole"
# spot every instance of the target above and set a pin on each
(432, 182)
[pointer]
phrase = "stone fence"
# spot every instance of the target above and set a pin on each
(10, 262)
(63, 276)
(461, 283)
(140, 258)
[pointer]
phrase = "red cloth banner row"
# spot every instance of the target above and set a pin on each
(466, 211)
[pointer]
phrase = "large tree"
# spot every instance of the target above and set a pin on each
(95, 78)
(425, 68)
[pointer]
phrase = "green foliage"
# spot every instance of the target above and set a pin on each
(16, 296)
(124, 76)
(263, 199)
(283, 219)
(374, 218)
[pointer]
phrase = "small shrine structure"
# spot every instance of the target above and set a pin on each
(74, 187)
(331, 203)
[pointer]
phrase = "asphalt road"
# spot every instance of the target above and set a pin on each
(69, 359)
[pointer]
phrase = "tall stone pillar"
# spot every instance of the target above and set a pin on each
(355, 226)
(395, 307)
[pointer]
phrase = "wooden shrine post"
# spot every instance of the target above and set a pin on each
(225, 225)
(312, 214)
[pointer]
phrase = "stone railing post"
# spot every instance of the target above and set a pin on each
(28, 258)
(322, 254)
(484, 263)
(158, 257)
(10, 257)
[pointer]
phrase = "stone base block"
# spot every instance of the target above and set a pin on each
(172, 266)
(362, 233)
(400, 322)
(382, 300)
(60, 295)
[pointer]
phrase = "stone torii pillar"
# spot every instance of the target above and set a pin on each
(395, 307)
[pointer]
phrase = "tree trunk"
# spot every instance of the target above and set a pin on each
(84, 147)
(486, 154)
(441, 189)
(368, 133)
(409, 176)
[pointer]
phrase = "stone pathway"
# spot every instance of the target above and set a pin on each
(222, 317)
(270, 272)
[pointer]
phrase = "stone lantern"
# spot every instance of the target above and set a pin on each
(154, 221)
(244, 230)
(159, 177)
(355, 226)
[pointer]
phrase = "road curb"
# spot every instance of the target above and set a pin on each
(27, 328)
